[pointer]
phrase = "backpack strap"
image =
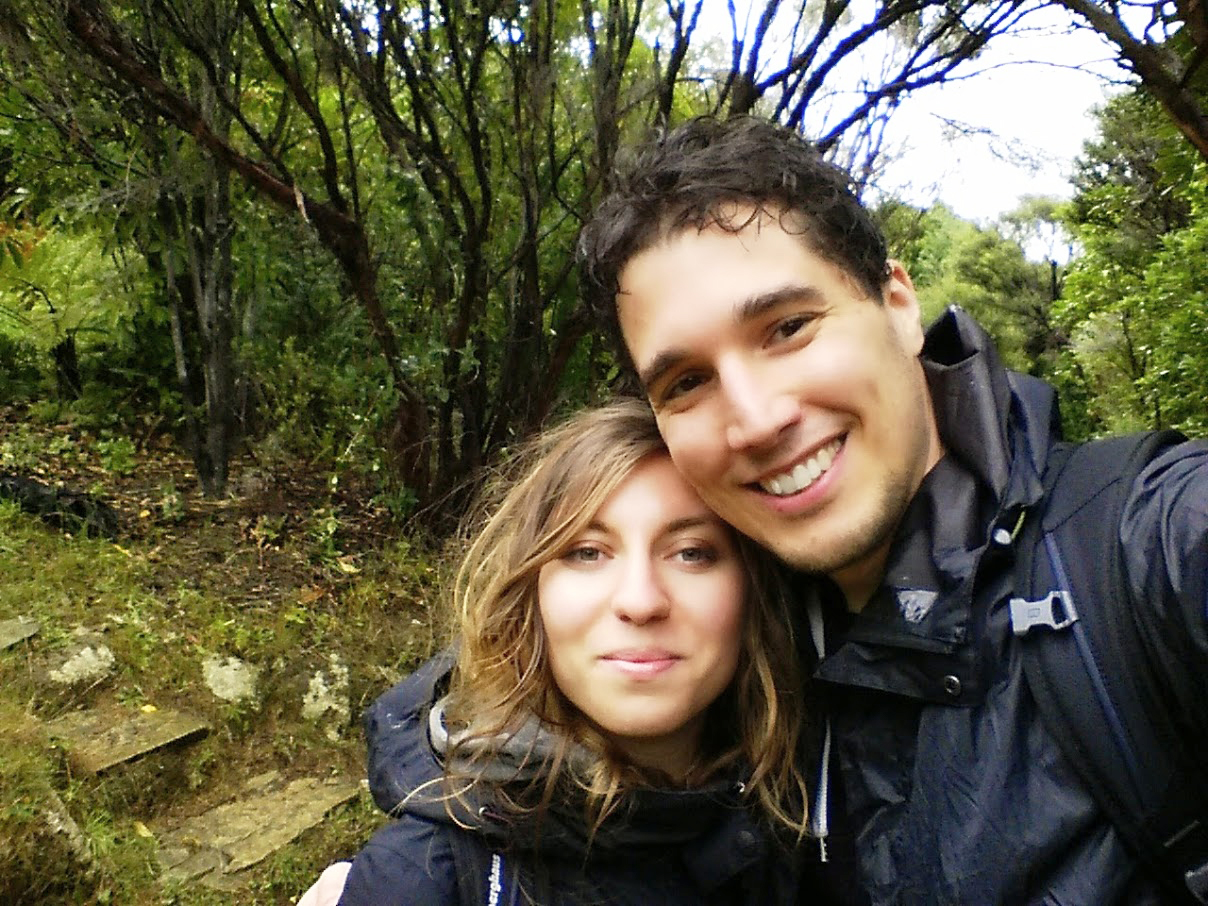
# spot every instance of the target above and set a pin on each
(1087, 667)
(484, 876)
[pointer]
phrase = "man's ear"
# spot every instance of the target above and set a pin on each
(902, 306)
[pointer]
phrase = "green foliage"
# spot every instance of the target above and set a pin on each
(19, 367)
(67, 285)
(1135, 302)
(117, 454)
(61, 284)
(955, 262)
(171, 502)
(328, 409)
(21, 450)
(324, 533)
(397, 499)
(987, 271)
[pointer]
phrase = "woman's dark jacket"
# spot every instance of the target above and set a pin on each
(674, 848)
(953, 791)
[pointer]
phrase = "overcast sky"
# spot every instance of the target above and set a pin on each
(1031, 100)
(1039, 109)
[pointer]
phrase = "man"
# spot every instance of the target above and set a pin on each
(782, 353)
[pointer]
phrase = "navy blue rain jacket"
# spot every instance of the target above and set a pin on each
(954, 792)
(673, 848)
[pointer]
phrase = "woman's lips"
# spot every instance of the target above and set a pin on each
(641, 663)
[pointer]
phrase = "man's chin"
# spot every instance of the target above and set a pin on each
(849, 557)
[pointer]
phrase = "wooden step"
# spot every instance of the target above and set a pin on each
(216, 846)
(98, 740)
(17, 630)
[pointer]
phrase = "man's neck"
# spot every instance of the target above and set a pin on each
(860, 581)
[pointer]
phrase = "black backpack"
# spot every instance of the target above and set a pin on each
(1086, 665)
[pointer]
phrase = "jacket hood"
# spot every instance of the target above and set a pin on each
(407, 743)
(1014, 416)
(509, 757)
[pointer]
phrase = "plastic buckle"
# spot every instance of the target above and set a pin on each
(1054, 611)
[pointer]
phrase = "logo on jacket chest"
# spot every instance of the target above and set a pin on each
(915, 603)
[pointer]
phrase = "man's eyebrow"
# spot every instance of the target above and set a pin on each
(756, 306)
(662, 363)
(748, 309)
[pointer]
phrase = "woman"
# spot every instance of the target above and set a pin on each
(610, 730)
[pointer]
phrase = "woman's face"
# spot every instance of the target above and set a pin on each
(643, 616)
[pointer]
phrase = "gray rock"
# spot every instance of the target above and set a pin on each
(214, 847)
(59, 823)
(326, 699)
(230, 679)
(97, 740)
(87, 665)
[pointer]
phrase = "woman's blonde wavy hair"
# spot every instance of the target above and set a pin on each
(531, 511)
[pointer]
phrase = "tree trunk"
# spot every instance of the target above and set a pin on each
(209, 243)
(177, 309)
(67, 368)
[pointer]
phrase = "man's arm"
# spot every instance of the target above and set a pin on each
(1164, 537)
(409, 861)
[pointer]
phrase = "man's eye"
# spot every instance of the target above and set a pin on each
(789, 327)
(683, 384)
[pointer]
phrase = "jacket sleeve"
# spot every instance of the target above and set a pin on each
(1164, 537)
(409, 862)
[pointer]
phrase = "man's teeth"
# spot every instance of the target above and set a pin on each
(803, 474)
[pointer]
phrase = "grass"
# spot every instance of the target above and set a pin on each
(255, 578)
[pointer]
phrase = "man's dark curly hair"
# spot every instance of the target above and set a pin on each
(692, 178)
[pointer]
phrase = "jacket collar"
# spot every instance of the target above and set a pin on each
(709, 825)
(998, 424)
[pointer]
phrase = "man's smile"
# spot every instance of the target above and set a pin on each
(805, 473)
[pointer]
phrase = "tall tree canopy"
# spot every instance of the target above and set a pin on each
(1136, 308)
(1164, 44)
(444, 155)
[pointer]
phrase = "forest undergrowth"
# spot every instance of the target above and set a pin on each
(282, 574)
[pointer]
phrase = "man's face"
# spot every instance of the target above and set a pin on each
(793, 403)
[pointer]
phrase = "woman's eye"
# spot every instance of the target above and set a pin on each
(697, 554)
(582, 555)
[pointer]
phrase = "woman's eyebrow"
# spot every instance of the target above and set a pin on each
(690, 522)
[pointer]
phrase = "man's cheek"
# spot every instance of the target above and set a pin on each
(688, 454)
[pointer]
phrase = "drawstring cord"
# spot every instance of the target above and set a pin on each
(819, 814)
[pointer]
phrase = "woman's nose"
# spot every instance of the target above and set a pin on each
(639, 596)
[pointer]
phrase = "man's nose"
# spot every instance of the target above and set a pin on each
(758, 414)
(639, 596)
